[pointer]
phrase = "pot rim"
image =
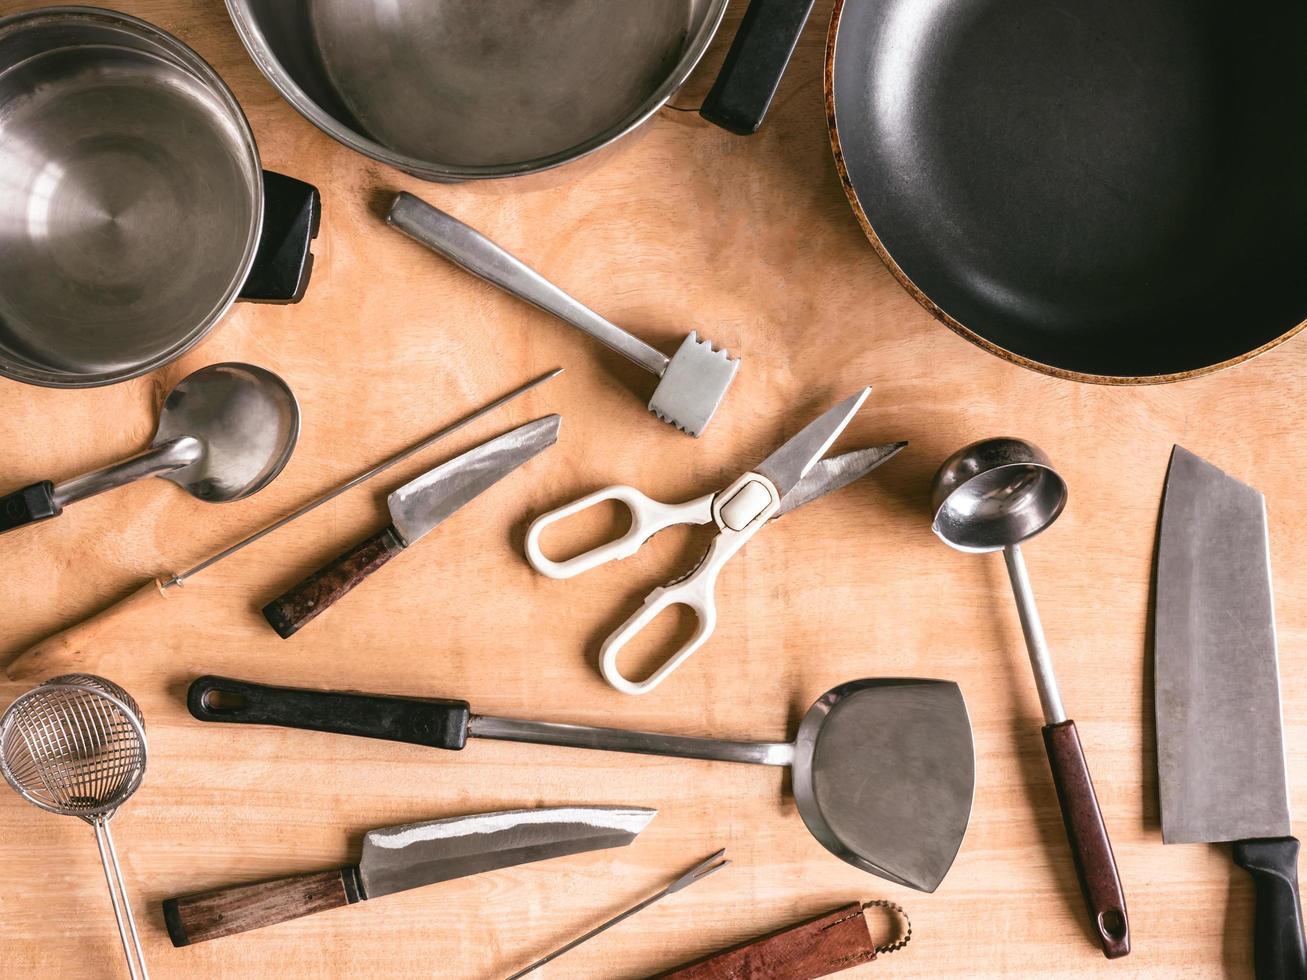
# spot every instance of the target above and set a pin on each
(190, 61)
(256, 45)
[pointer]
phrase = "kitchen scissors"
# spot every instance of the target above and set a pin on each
(793, 475)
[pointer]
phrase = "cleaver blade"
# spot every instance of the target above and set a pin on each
(1220, 740)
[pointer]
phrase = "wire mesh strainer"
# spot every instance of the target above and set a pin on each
(75, 745)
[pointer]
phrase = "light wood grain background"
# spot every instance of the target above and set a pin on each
(751, 242)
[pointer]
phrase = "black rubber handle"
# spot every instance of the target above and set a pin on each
(28, 505)
(1279, 950)
(292, 214)
(754, 65)
(435, 722)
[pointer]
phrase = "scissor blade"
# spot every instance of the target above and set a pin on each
(835, 472)
(421, 504)
(791, 462)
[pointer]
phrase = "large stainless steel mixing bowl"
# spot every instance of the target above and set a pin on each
(131, 199)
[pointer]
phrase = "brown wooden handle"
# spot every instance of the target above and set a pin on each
(819, 947)
(291, 610)
(74, 648)
(212, 915)
(1090, 846)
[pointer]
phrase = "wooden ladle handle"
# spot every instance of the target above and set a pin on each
(1090, 847)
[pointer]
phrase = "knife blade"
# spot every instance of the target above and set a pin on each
(416, 509)
(1220, 741)
(407, 856)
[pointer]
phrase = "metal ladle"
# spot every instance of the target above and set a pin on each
(224, 433)
(991, 496)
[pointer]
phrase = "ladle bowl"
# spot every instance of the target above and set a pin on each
(247, 421)
(224, 433)
(995, 493)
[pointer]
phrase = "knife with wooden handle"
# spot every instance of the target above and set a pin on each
(1220, 743)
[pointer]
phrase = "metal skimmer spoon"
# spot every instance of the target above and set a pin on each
(991, 496)
(224, 433)
(76, 746)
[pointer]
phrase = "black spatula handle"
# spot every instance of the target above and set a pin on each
(421, 721)
(1278, 946)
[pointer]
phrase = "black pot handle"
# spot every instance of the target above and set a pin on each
(753, 67)
(292, 212)
(28, 505)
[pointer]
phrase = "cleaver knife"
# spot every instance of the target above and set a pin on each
(1220, 741)
(395, 859)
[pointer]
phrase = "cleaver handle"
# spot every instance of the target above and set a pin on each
(1278, 947)
(1095, 864)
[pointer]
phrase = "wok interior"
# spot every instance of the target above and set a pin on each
(465, 83)
(889, 781)
(128, 204)
(1116, 192)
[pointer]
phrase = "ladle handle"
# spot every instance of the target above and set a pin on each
(303, 603)
(1090, 847)
(28, 505)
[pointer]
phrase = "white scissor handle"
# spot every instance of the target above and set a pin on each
(648, 517)
(695, 591)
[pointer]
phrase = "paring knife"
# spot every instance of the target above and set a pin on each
(408, 856)
(1220, 744)
(415, 509)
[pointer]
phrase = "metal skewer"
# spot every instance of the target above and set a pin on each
(700, 871)
(179, 578)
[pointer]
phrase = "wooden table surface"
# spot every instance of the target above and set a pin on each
(751, 242)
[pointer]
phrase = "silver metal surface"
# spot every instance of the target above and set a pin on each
(181, 577)
(76, 746)
(451, 90)
(991, 496)
(409, 856)
(624, 740)
(1220, 741)
(132, 197)
(833, 472)
(994, 493)
(1032, 628)
(883, 770)
(224, 433)
(884, 776)
(468, 248)
(694, 384)
(790, 463)
(700, 871)
(691, 384)
(421, 504)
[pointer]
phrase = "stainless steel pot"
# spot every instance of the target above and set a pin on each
(465, 89)
(134, 210)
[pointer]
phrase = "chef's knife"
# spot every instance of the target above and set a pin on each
(1220, 744)
(395, 859)
(415, 509)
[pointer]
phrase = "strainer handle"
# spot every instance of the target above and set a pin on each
(435, 722)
